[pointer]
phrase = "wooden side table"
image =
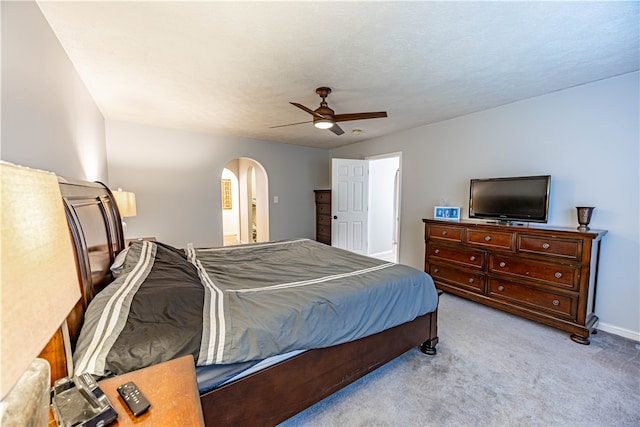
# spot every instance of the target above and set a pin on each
(170, 388)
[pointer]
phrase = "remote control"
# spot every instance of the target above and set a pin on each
(135, 400)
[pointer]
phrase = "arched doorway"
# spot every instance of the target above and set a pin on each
(245, 202)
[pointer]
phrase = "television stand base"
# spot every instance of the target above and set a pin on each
(509, 223)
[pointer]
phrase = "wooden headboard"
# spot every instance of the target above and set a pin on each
(96, 230)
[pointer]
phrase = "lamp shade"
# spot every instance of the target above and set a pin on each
(126, 202)
(38, 276)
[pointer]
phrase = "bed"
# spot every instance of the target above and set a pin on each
(299, 362)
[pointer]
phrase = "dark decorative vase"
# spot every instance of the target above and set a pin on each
(584, 217)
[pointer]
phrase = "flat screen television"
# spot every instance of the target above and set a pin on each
(523, 198)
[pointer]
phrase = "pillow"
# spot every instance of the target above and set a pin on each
(118, 264)
(128, 258)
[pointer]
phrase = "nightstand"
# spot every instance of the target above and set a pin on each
(171, 389)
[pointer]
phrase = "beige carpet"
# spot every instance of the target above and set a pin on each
(494, 369)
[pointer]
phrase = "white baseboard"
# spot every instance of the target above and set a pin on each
(385, 253)
(632, 335)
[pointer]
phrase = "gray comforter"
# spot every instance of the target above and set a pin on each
(235, 304)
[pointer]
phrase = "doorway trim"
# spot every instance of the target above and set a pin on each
(397, 198)
(252, 193)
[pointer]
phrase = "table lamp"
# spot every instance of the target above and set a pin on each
(38, 288)
(126, 202)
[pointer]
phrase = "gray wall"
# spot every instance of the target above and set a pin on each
(176, 178)
(49, 120)
(585, 137)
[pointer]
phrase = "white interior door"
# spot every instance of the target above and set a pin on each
(349, 204)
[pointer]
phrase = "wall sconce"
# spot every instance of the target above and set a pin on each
(39, 287)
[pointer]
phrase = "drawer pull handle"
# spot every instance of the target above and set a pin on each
(471, 280)
(502, 264)
(558, 275)
(501, 288)
(487, 238)
(437, 251)
(436, 270)
(472, 258)
(444, 232)
(556, 302)
(545, 246)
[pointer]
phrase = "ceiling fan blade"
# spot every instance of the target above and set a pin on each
(290, 124)
(308, 110)
(359, 116)
(336, 129)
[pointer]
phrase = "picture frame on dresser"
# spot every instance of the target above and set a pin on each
(447, 213)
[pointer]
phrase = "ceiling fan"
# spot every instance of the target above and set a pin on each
(325, 118)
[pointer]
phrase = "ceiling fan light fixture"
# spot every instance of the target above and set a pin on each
(325, 118)
(323, 123)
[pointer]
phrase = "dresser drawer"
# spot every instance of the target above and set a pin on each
(323, 209)
(446, 232)
(465, 256)
(491, 239)
(553, 246)
(324, 239)
(534, 298)
(461, 278)
(564, 276)
(323, 220)
(323, 196)
(323, 230)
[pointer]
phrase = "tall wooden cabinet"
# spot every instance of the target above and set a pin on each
(323, 216)
(541, 273)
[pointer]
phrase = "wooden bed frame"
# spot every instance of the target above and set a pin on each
(267, 397)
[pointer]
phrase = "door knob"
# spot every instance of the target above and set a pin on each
(335, 217)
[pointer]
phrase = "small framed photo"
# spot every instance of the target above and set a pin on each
(451, 213)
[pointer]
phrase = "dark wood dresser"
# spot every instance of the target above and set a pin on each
(323, 216)
(545, 274)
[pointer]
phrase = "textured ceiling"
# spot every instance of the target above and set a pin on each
(232, 68)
